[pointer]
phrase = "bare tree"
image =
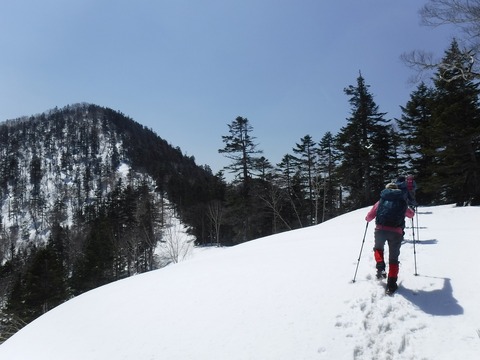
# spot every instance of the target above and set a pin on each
(175, 245)
(285, 180)
(215, 214)
(462, 14)
(273, 197)
(464, 66)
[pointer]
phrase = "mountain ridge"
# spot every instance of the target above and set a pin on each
(91, 192)
(60, 139)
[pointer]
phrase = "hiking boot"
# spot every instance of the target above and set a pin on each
(390, 290)
(381, 274)
(391, 285)
(380, 266)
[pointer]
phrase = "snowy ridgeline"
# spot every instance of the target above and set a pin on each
(283, 297)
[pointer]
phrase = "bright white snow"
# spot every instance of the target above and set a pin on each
(283, 297)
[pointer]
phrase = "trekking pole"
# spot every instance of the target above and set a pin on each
(414, 249)
(360, 255)
(418, 229)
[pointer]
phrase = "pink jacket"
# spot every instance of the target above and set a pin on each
(373, 213)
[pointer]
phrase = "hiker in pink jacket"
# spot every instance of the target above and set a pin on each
(389, 214)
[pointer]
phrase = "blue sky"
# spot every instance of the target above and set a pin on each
(188, 68)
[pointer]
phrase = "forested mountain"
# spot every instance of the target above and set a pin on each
(84, 196)
(74, 159)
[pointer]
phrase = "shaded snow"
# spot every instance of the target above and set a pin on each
(283, 297)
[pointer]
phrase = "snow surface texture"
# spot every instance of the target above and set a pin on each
(283, 297)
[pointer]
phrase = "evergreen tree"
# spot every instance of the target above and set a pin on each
(146, 216)
(265, 199)
(306, 163)
(326, 162)
(35, 175)
(365, 148)
(44, 283)
(416, 135)
(96, 267)
(241, 149)
(456, 134)
(263, 167)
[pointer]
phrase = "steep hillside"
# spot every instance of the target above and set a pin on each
(288, 296)
(74, 157)
(86, 196)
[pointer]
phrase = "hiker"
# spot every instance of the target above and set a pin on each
(408, 187)
(389, 214)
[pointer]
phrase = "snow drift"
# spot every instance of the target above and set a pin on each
(287, 296)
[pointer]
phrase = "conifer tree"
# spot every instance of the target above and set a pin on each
(326, 159)
(456, 133)
(365, 148)
(96, 267)
(241, 149)
(415, 132)
(44, 283)
(306, 162)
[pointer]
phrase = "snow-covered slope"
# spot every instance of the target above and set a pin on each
(283, 297)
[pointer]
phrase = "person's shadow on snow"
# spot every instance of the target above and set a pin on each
(436, 302)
